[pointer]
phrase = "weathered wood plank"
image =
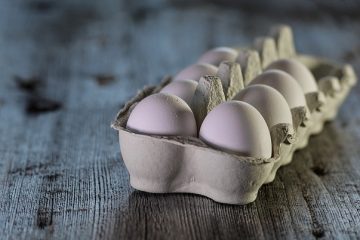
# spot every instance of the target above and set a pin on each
(61, 174)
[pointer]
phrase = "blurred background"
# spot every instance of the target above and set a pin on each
(132, 43)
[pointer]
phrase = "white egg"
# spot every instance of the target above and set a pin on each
(269, 102)
(285, 84)
(162, 114)
(298, 71)
(184, 89)
(196, 71)
(217, 55)
(237, 127)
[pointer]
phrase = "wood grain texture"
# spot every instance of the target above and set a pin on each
(61, 173)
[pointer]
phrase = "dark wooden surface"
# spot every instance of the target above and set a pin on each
(65, 70)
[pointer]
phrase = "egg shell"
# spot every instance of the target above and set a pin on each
(196, 71)
(239, 128)
(298, 71)
(184, 89)
(162, 114)
(217, 55)
(269, 102)
(285, 84)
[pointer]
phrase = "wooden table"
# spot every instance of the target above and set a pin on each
(66, 68)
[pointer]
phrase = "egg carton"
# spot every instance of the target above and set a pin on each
(170, 164)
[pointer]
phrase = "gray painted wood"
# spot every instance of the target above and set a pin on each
(61, 173)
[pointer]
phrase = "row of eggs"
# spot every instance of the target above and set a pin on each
(239, 126)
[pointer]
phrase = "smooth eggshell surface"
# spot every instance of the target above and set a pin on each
(196, 71)
(269, 102)
(162, 114)
(184, 89)
(285, 84)
(298, 71)
(239, 128)
(217, 55)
